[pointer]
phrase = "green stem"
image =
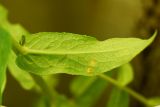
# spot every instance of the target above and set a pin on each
(18, 48)
(127, 89)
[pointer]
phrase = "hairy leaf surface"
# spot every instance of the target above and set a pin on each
(50, 53)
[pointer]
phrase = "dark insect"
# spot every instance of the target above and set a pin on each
(23, 40)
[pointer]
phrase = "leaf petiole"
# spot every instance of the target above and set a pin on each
(18, 48)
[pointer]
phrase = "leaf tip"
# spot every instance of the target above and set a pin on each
(154, 35)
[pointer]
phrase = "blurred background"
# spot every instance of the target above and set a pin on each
(99, 18)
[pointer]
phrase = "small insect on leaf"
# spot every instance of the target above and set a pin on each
(23, 40)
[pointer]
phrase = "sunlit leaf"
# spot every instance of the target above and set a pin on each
(50, 53)
(5, 48)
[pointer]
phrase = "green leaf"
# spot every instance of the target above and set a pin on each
(24, 78)
(118, 98)
(5, 47)
(89, 97)
(2, 106)
(16, 30)
(125, 74)
(59, 101)
(50, 53)
(40, 102)
(63, 101)
(51, 81)
(91, 92)
(154, 101)
(80, 84)
(3, 13)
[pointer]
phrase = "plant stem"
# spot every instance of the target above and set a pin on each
(127, 89)
(17, 47)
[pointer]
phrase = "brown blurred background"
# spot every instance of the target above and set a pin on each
(100, 18)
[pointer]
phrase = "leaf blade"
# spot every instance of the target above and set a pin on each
(4, 13)
(77, 54)
(81, 82)
(89, 97)
(5, 48)
(23, 78)
(88, 90)
(118, 98)
(125, 74)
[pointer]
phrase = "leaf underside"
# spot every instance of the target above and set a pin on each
(50, 53)
(24, 78)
